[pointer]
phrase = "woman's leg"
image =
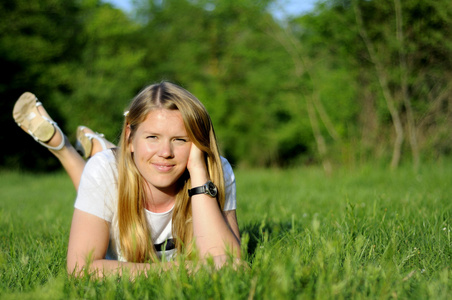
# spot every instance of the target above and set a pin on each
(27, 108)
(72, 161)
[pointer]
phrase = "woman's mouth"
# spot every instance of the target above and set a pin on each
(163, 167)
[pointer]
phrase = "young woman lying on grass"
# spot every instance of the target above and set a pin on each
(164, 190)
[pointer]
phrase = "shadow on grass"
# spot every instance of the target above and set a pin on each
(258, 233)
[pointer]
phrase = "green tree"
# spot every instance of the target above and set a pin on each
(83, 59)
(109, 72)
(351, 81)
(391, 49)
(35, 37)
(226, 58)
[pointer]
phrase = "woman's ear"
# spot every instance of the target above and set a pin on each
(128, 141)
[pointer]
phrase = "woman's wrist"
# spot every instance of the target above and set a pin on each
(199, 177)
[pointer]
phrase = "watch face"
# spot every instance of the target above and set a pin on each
(212, 189)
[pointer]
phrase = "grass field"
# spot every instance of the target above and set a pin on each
(362, 233)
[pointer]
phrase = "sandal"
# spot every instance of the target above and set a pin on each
(84, 143)
(41, 128)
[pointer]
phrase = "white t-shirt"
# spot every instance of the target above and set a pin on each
(98, 195)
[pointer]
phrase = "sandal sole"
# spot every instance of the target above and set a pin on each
(27, 115)
(85, 144)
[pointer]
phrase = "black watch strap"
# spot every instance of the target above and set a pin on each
(197, 190)
(208, 188)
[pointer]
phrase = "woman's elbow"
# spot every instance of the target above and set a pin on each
(75, 267)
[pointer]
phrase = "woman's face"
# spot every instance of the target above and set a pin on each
(161, 148)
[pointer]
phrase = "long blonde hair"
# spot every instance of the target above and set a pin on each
(134, 235)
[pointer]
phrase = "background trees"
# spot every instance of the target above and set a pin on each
(351, 81)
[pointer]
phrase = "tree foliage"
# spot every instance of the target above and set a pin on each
(351, 81)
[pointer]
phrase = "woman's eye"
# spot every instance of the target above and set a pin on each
(181, 140)
(151, 137)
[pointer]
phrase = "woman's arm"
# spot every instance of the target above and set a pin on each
(231, 219)
(215, 235)
(88, 243)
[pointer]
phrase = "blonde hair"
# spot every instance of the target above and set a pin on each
(134, 235)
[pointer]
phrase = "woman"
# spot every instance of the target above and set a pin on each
(162, 191)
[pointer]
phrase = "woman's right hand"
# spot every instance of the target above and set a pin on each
(88, 241)
(88, 244)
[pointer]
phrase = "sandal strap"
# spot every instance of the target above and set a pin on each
(99, 137)
(60, 146)
(26, 111)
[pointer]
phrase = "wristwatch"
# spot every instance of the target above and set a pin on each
(208, 188)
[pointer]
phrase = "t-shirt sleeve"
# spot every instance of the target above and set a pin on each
(97, 190)
(229, 182)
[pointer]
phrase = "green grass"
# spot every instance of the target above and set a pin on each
(364, 233)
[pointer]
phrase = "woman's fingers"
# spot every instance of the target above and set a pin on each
(197, 166)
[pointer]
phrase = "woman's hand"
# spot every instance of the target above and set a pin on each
(197, 166)
(211, 230)
(88, 243)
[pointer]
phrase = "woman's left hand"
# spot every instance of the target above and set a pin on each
(215, 233)
(197, 165)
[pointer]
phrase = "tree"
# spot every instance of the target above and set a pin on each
(35, 37)
(225, 58)
(83, 59)
(389, 50)
(109, 72)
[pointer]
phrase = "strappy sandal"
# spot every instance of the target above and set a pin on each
(84, 143)
(41, 128)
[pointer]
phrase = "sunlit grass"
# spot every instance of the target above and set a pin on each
(363, 233)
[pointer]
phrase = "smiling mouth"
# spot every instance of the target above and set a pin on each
(163, 167)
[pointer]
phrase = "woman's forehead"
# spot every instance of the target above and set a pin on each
(163, 120)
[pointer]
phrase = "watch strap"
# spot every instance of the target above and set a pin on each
(208, 188)
(197, 190)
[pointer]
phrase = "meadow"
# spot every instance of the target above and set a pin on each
(361, 233)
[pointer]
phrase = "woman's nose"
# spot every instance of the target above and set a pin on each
(166, 149)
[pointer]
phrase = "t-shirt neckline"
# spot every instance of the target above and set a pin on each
(161, 213)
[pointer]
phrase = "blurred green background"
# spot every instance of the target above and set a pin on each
(346, 83)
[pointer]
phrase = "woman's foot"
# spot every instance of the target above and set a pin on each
(32, 117)
(90, 142)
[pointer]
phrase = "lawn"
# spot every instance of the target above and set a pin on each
(360, 233)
